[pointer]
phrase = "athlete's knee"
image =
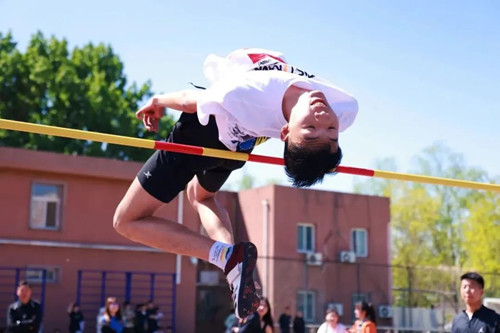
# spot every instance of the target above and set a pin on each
(120, 221)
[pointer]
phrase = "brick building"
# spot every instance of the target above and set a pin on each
(316, 248)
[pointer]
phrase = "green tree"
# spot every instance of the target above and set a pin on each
(82, 89)
(433, 226)
(482, 240)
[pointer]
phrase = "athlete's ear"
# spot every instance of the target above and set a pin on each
(284, 133)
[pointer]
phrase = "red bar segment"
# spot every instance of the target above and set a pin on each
(355, 171)
(178, 148)
(266, 159)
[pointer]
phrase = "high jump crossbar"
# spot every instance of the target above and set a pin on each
(209, 152)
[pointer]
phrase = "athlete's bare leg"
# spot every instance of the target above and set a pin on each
(214, 217)
(134, 219)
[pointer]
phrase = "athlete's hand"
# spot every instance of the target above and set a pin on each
(150, 114)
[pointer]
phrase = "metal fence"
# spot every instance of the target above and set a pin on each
(94, 286)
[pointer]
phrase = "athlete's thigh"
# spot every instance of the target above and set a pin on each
(136, 204)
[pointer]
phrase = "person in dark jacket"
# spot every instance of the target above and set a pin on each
(24, 315)
(475, 318)
(76, 320)
(299, 325)
(285, 320)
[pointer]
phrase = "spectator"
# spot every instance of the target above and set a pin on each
(112, 319)
(260, 321)
(285, 320)
(153, 317)
(475, 317)
(250, 324)
(266, 319)
(230, 322)
(141, 319)
(24, 315)
(76, 319)
(331, 324)
(128, 317)
(100, 319)
(299, 325)
(366, 320)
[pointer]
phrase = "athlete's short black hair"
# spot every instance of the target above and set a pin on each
(306, 167)
(473, 276)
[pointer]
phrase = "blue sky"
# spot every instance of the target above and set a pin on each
(422, 71)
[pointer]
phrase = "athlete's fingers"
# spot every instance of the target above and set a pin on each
(147, 122)
(142, 112)
(155, 122)
(149, 107)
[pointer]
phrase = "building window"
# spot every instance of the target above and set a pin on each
(36, 274)
(359, 242)
(305, 238)
(306, 303)
(46, 203)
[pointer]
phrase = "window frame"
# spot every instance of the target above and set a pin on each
(354, 248)
(49, 278)
(59, 203)
(313, 238)
(308, 317)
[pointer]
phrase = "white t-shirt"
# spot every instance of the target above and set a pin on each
(247, 92)
(326, 328)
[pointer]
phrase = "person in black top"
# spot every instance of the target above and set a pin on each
(25, 315)
(141, 318)
(285, 320)
(476, 318)
(76, 319)
(251, 324)
(299, 325)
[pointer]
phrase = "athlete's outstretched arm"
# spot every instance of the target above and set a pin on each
(151, 113)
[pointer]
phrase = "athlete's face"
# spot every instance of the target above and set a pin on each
(312, 122)
(471, 292)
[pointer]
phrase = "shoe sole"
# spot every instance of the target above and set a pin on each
(250, 304)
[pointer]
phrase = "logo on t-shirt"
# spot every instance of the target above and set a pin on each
(267, 62)
(244, 142)
(249, 144)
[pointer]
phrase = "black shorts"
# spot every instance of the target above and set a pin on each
(165, 174)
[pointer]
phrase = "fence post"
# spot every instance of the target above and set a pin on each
(174, 302)
(128, 285)
(152, 287)
(410, 315)
(103, 288)
(79, 286)
(42, 296)
(18, 273)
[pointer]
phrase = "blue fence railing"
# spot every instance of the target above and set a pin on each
(94, 286)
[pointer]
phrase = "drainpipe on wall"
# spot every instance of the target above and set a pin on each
(180, 216)
(265, 220)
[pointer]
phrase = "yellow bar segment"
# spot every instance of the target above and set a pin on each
(436, 180)
(76, 134)
(230, 155)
